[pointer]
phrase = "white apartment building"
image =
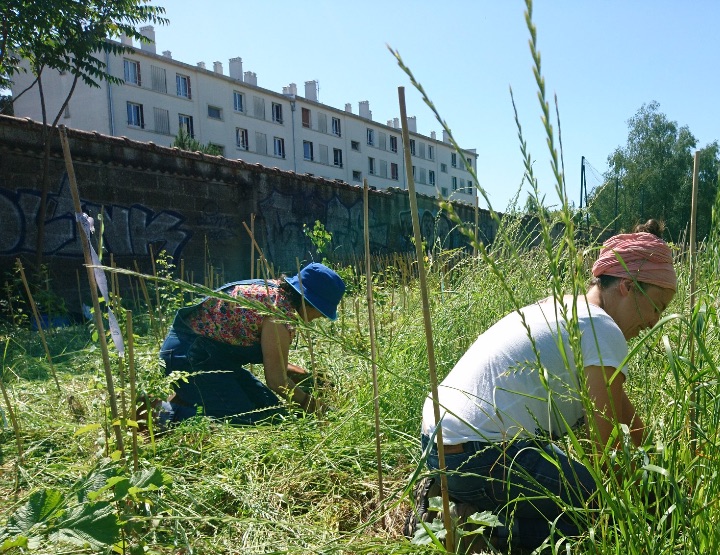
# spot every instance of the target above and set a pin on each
(276, 129)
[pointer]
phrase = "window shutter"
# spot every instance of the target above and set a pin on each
(324, 154)
(383, 168)
(322, 123)
(260, 142)
(259, 107)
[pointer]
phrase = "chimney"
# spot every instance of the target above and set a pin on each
(125, 40)
(446, 137)
(235, 68)
(364, 109)
(311, 90)
(167, 54)
(201, 65)
(290, 90)
(396, 123)
(348, 108)
(148, 32)
(251, 78)
(433, 135)
(389, 123)
(217, 67)
(412, 124)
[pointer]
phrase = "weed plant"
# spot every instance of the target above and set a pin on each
(309, 484)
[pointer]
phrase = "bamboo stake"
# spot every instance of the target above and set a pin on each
(373, 350)
(252, 246)
(93, 288)
(449, 536)
(693, 261)
(38, 321)
(133, 386)
(146, 296)
(16, 425)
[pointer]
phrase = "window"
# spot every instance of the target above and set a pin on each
(306, 121)
(431, 177)
(444, 191)
(454, 183)
(324, 154)
(431, 152)
(132, 72)
(183, 85)
(307, 150)
(238, 101)
(422, 177)
(355, 145)
(162, 121)
(260, 143)
(370, 137)
(322, 122)
(357, 176)
(383, 168)
(412, 147)
(186, 124)
(214, 112)
(453, 160)
(371, 166)
(337, 157)
(443, 168)
(279, 147)
(241, 138)
(158, 77)
(336, 127)
(259, 107)
(382, 140)
(394, 174)
(413, 172)
(135, 115)
(277, 112)
(393, 143)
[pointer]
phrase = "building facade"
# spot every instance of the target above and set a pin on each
(161, 96)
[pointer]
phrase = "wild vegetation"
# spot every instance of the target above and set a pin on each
(310, 484)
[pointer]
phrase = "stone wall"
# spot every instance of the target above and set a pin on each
(191, 205)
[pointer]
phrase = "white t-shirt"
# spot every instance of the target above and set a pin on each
(495, 392)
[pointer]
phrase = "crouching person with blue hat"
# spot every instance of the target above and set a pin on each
(215, 338)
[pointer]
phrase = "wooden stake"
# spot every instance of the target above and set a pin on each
(252, 246)
(38, 321)
(93, 288)
(693, 255)
(373, 351)
(420, 255)
(133, 386)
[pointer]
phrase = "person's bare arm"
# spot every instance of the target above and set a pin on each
(605, 387)
(275, 344)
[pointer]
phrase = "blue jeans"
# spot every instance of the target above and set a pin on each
(513, 480)
(220, 387)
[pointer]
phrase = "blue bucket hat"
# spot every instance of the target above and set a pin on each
(321, 287)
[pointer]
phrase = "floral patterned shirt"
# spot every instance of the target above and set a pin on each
(234, 324)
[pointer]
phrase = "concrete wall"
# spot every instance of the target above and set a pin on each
(191, 205)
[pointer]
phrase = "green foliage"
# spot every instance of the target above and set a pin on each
(320, 238)
(652, 176)
(184, 141)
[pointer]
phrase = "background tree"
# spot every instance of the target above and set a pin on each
(66, 36)
(184, 141)
(652, 177)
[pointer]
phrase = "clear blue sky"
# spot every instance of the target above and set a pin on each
(604, 60)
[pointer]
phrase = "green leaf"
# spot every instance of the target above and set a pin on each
(86, 429)
(90, 524)
(42, 507)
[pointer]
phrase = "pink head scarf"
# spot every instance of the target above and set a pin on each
(643, 257)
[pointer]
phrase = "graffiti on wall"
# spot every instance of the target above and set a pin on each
(285, 215)
(128, 230)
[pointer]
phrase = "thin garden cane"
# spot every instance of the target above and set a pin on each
(449, 537)
(93, 288)
(313, 369)
(693, 256)
(146, 296)
(133, 387)
(38, 321)
(13, 419)
(373, 348)
(252, 246)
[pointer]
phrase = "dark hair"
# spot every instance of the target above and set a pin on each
(653, 226)
(291, 294)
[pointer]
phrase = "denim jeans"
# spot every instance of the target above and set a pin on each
(514, 480)
(219, 386)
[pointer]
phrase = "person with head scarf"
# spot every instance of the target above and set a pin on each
(213, 340)
(517, 389)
